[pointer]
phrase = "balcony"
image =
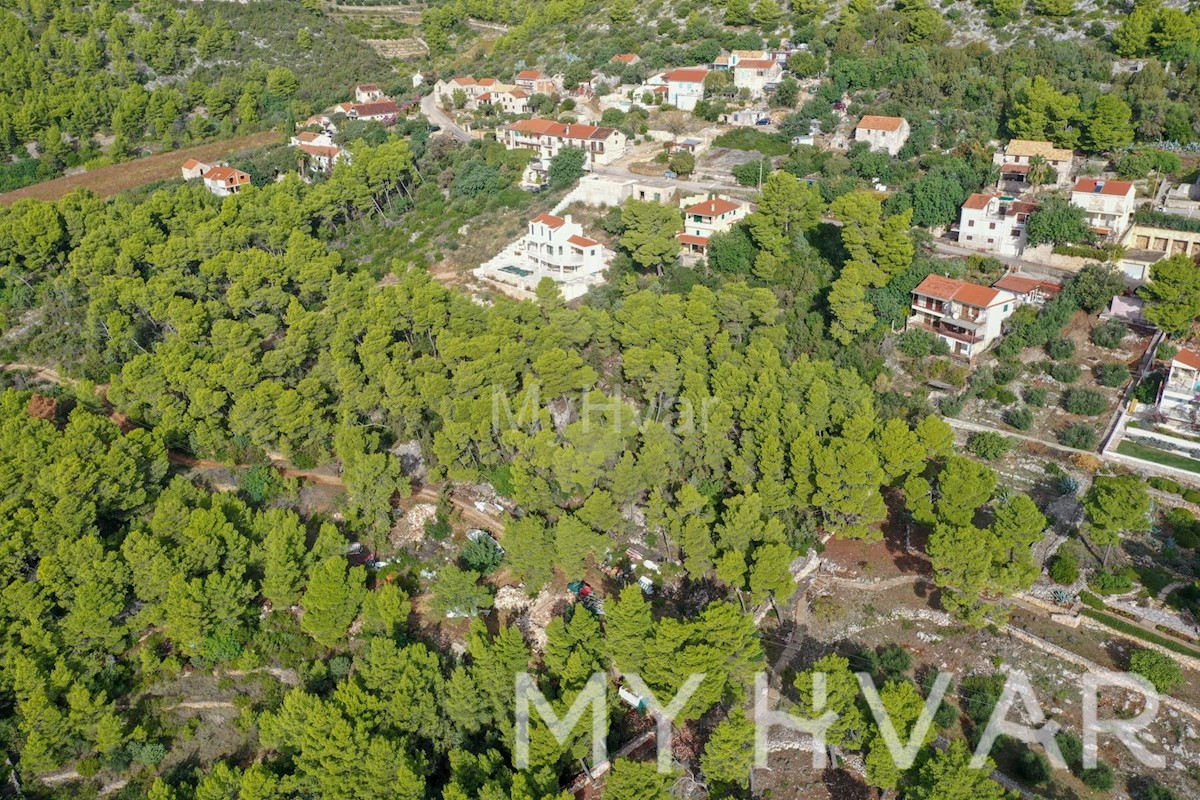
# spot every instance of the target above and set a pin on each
(950, 331)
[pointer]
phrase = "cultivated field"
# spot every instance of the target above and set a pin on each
(111, 180)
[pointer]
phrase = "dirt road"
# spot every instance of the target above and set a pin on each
(111, 180)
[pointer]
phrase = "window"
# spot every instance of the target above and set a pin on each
(1006, 306)
(971, 223)
(991, 226)
(991, 241)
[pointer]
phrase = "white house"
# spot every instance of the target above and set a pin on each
(193, 169)
(547, 137)
(685, 87)
(965, 315)
(224, 181)
(320, 153)
(1014, 160)
(756, 74)
(552, 247)
(385, 111)
(731, 60)
(1179, 399)
(702, 219)
(1109, 204)
(994, 224)
(537, 82)
(508, 99)
(883, 133)
(367, 93)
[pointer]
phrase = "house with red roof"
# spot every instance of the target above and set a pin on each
(625, 58)
(1028, 290)
(536, 82)
(1109, 204)
(994, 223)
(883, 133)
(318, 152)
(552, 247)
(547, 137)
(966, 316)
(756, 75)
(385, 111)
(685, 86)
(709, 215)
(367, 93)
(193, 169)
(224, 181)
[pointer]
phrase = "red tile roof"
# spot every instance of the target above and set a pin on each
(549, 220)
(192, 163)
(978, 201)
(529, 75)
(688, 75)
(1094, 186)
(1188, 358)
(465, 80)
(548, 127)
(488, 81)
(320, 150)
(519, 93)
(380, 108)
(1016, 284)
(226, 175)
(625, 58)
(582, 241)
(712, 208)
(872, 122)
(308, 136)
(367, 87)
(943, 288)
(687, 238)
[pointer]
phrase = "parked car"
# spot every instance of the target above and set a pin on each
(670, 175)
(763, 121)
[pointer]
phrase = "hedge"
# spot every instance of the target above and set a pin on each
(1138, 632)
(1158, 219)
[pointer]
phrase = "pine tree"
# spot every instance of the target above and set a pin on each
(841, 697)
(628, 625)
(729, 753)
(331, 600)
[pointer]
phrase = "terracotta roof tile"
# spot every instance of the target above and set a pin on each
(688, 75)
(978, 201)
(944, 288)
(712, 208)
(1097, 186)
(582, 241)
(1188, 358)
(872, 122)
(549, 220)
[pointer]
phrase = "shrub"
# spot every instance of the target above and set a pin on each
(998, 393)
(1099, 777)
(1192, 496)
(1088, 402)
(1109, 334)
(916, 343)
(1166, 485)
(1033, 767)
(1147, 390)
(1111, 582)
(1061, 349)
(481, 555)
(1078, 435)
(1071, 748)
(1158, 792)
(1111, 375)
(260, 484)
(1020, 418)
(1166, 351)
(1037, 395)
(1065, 372)
(988, 445)
(1064, 569)
(951, 406)
(1005, 373)
(1160, 669)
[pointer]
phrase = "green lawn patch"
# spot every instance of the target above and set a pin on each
(1135, 450)
(1155, 580)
